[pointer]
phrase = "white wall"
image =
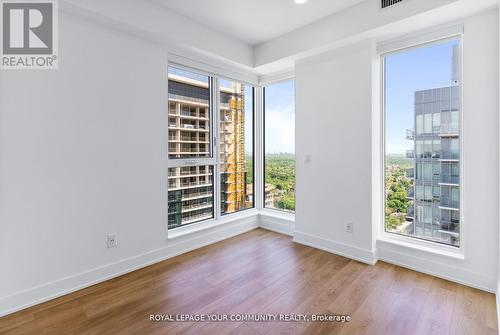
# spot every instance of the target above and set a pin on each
(83, 154)
(362, 21)
(333, 114)
(153, 21)
(334, 106)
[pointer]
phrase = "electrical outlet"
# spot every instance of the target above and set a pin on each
(111, 240)
(349, 227)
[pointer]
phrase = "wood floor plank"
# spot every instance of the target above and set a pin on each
(262, 272)
(321, 297)
(352, 297)
(402, 304)
(436, 317)
(469, 313)
(290, 276)
(317, 269)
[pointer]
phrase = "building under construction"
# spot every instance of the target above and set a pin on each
(232, 147)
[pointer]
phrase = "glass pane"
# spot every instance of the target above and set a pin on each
(236, 146)
(428, 123)
(279, 161)
(190, 196)
(420, 124)
(422, 96)
(188, 114)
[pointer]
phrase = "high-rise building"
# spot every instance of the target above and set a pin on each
(190, 188)
(435, 194)
(232, 147)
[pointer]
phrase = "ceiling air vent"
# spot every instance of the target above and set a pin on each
(387, 3)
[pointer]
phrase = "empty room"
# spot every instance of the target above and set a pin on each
(223, 167)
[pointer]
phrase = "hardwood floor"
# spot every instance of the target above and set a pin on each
(266, 273)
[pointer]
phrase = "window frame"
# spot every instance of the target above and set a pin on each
(214, 157)
(384, 50)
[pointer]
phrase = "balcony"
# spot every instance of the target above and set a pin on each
(450, 225)
(410, 134)
(189, 185)
(200, 205)
(449, 203)
(449, 179)
(196, 195)
(182, 98)
(450, 155)
(188, 126)
(449, 130)
(192, 115)
(410, 153)
(190, 217)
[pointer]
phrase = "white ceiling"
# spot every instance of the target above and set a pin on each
(255, 21)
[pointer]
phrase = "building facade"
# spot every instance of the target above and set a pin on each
(435, 194)
(232, 147)
(190, 188)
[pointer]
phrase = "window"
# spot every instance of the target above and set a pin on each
(279, 146)
(236, 146)
(188, 114)
(422, 116)
(191, 166)
(195, 167)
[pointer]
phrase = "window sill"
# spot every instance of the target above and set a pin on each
(209, 224)
(424, 246)
(276, 213)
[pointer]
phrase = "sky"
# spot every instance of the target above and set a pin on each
(280, 117)
(407, 72)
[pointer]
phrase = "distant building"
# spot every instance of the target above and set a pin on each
(435, 194)
(232, 148)
(269, 194)
(190, 188)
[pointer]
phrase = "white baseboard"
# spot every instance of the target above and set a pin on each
(349, 251)
(433, 267)
(277, 224)
(283, 225)
(60, 287)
